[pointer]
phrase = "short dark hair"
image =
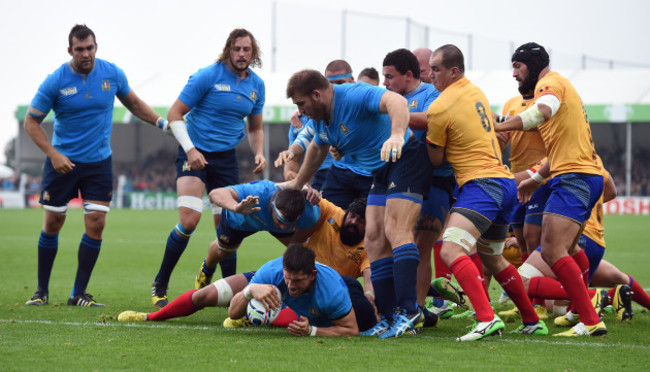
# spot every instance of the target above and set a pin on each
(451, 57)
(299, 259)
(306, 81)
(338, 64)
(256, 60)
(358, 206)
(290, 202)
(370, 72)
(403, 60)
(81, 32)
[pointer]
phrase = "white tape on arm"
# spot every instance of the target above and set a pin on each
(180, 132)
(532, 117)
(551, 101)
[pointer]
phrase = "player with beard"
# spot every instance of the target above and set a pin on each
(215, 101)
(336, 239)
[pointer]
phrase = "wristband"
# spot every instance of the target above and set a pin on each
(537, 177)
(312, 330)
(247, 292)
(530, 173)
(180, 132)
(501, 118)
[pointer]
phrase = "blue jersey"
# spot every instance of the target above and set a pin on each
(357, 128)
(262, 220)
(303, 136)
(219, 102)
(83, 109)
(327, 300)
(419, 100)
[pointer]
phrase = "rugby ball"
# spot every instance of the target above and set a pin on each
(257, 314)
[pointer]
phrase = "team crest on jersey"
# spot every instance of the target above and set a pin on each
(413, 104)
(224, 238)
(46, 196)
(543, 89)
(333, 223)
(313, 311)
(106, 85)
(344, 129)
(68, 91)
(222, 87)
(186, 166)
(254, 95)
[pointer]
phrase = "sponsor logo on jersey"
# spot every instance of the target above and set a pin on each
(343, 129)
(46, 196)
(68, 91)
(186, 166)
(106, 85)
(413, 104)
(392, 185)
(323, 136)
(222, 87)
(254, 95)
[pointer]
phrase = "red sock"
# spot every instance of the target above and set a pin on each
(440, 267)
(510, 281)
(479, 266)
(640, 296)
(611, 293)
(181, 306)
(468, 277)
(582, 261)
(569, 275)
(285, 317)
(544, 287)
(538, 301)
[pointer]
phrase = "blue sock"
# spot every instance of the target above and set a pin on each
(48, 246)
(381, 274)
(176, 244)
(87, 256)
(229, 266)
(405, 270)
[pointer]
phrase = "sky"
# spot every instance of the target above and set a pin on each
(160, 43)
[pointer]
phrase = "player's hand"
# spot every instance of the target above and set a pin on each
(511, 242)
(526, 189)
(503, 138)
(336, 154)
(314, 196)
(248, 205)
(289, 184)
(260, 161)
(195, 159)
(61, 163)
(266, 294)
(299, 327)
(295, 120)
(392, 149)
(283, 158)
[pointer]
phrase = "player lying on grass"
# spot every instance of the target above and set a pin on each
(316, 292)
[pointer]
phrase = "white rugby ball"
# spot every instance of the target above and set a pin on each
(257, 314)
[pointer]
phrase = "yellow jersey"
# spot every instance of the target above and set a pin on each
(526, 147)
(567, 135)
(326, 243)
(460, 120)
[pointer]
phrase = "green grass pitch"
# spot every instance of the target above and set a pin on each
(58, 337)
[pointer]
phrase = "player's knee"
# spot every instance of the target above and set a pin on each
(221, 295)
(459, 237)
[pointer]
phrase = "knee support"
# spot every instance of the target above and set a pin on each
(495, 248)
(459, 236)
(92, 207)
(529, 271)
(191, 202)
(59, 210)
(224, 292)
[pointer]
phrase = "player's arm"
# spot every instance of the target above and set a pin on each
(396, 107)
(609, 191)
(177, 125)
(314, 157)
(142, 110)
(227, 198)
(345, 326)
(33, 128)
(256, 141)
(542, 110)
(418, 120)
(527, 186)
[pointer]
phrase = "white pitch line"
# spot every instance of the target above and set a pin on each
(208, 328)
